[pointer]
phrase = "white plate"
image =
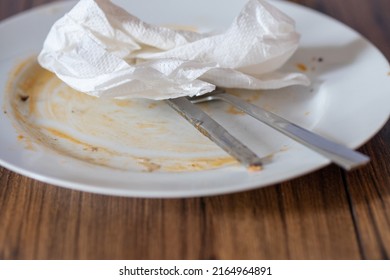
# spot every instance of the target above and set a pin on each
(348, 102)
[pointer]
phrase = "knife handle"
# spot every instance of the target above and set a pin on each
(215, 132)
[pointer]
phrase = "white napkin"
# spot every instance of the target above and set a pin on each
(100, 49)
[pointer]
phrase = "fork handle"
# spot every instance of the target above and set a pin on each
(339, 154)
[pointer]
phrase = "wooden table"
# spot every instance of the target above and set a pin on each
(329, 214)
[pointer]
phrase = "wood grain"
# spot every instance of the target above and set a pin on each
(328, 214)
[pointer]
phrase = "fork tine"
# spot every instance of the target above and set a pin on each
(210, 96)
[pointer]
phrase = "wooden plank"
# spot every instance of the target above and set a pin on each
(369, 190)
(307, 218)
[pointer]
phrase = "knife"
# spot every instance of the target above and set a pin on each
(215, 132)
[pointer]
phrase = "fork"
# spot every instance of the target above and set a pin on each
(337, 153)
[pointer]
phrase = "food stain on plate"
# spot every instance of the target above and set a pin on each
(131, 135)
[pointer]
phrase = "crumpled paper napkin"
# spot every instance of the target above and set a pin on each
(102, 50)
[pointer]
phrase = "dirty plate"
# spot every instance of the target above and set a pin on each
(142, 148)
